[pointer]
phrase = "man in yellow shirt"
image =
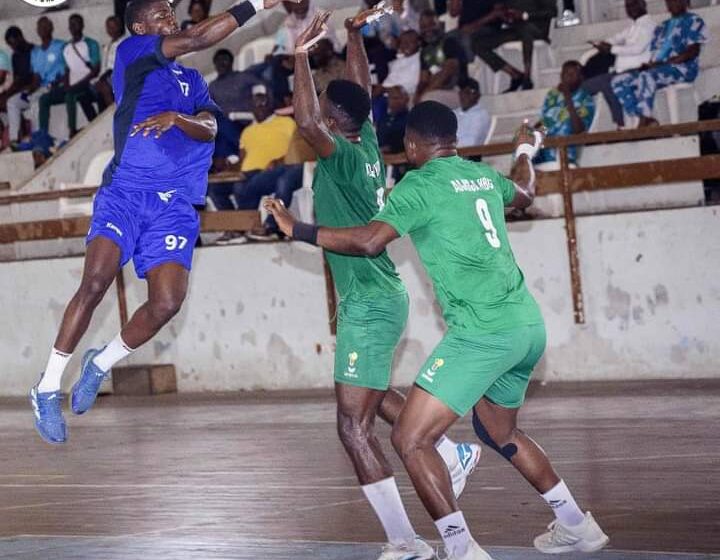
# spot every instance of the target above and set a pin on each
(263, 147)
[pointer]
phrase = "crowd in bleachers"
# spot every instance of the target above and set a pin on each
(413, 56)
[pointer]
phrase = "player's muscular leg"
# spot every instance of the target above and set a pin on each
(423, 420)
(356, 411)
(102, 260)
(530, 459)
(167, 286)
(391, 406)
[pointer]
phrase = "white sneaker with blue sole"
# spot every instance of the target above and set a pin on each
(468, 455)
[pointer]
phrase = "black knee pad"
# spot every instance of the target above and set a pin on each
(507, 451)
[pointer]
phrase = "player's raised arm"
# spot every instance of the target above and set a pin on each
(206, 33)
(367, 241)
(357, 67)
(527, 144)
(305, 99)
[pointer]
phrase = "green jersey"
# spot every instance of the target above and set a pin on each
(453, 210)
(349, 189)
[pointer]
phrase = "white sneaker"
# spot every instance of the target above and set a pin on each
(468, 455)
(419, 550)
(586, 537)
(474, 552)
(567, 19)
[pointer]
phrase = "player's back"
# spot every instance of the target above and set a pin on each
(349, 188)
(147, 84)
(453, 210)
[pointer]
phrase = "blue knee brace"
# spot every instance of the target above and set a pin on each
(506, 451)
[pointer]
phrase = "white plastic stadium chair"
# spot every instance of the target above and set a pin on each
(254, 52)
(93, 177)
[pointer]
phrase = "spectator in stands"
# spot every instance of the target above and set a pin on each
(526, 21)
(629, 49)
(299, 17)
(442, 59)
(48, 68)
(263, 146)
(473, 118)
(405, 69)
(568, 109)
(474, 19)
(103, 86)
(198, 11)
(82, 60)
(327, 64)
(675, 59)
(391, 127)
(21, 77)
(232, 90)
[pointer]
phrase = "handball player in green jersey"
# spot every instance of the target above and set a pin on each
(453, 210)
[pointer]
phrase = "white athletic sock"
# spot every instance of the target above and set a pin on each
(115, 351)
(384, 497)
(52, 376)
(455, 534)
(448, 450)
(563, 505)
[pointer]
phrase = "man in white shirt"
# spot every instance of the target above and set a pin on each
(473, 118)
(405, 69)
(103, 86)
(299, 16)
(626, 50)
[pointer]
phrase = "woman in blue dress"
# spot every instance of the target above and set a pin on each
(675, 59)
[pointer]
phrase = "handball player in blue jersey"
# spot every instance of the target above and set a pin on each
(164, 127)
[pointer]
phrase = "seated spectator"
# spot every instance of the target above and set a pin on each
(442, 59)
(232, 90)
(405, 69)
(299, 17)
(82, 59)
(391, 127)
(526, 21)
(675, 59)
(103, 86)
(48, 71)
(263, 147)
(474, 17)
(473, 118)
(627, 50)
(328, 66)
(198, 11)
(568, 109)
(21, 78)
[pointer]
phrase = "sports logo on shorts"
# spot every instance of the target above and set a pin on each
(44, 3)
(432, 370)
(167, 195)
(352, 365)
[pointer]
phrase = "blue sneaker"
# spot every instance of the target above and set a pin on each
(85, 391)
(49, 420)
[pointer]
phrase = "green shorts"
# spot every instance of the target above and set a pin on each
(368, 332)
(465, 367)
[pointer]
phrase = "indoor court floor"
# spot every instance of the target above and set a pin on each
(249, 476)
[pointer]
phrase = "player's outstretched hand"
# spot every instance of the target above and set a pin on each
(528, 135)
(313, 32)
(360, 19)
(285, 220)
(156, 125)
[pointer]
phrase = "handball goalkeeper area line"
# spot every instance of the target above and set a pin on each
(246, 476)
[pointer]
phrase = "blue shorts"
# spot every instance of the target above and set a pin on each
(152, 228)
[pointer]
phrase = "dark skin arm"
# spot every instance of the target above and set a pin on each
(691, 53)
(305, 101)
(357, 67)
(202, 126)
(578, 125)
(204, 34)
(522, 173)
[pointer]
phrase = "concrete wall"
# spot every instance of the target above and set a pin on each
(256, 316)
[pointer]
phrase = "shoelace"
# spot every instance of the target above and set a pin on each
(559, 535)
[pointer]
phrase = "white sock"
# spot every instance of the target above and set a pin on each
(448, 450)
(563, 505)
(52, 376)
(115, 351)
(455, 533)
(384, 497)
